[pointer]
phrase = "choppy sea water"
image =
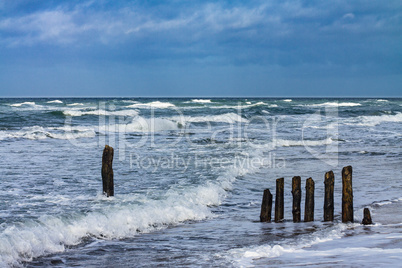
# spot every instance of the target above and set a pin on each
(189, 176)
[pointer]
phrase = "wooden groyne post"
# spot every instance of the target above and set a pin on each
(329, 196)
(279, 205)
(366, 217)
(329, 181)
(296, 192)
(347, 195)
(309, 204)
(107, 171)
(266, 206)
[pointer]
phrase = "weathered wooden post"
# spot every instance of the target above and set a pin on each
(107, 171)
(329, 196)
(366, 217)
(279, 205)
(266, 206)
(347, 195)
(309, 204)
(296, 192)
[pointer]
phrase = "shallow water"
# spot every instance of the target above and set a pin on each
(189, 177)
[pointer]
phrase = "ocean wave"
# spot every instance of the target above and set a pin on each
(334, 104)
(154, 104)
(40, 133)
(244, 257)
(100, 112)
(201, 101)
(372, 121)
(242, 106)
(23, 104)
(117, 219)
(289, 143)
(287, 100)
(140, 124)
(55, 101)
(75, 104)
(223, 118)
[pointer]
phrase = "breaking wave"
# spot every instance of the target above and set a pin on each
(39, 133)
(154, 104)
(201, 101)
(335, 104)
(27, 103)
(55, 101)
(100, 112)
(124, 216)
(376, 120)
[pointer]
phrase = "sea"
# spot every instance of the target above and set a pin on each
(189, 176)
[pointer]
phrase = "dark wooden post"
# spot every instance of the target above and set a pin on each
(266, 206)
(309, 205)
(296, 192)
(329, 196)
(367, 217)
(107, 171)
(279, 209)
(347, 195)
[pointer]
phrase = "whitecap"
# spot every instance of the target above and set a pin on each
(289, 143)
(40, 133)
(141, 124)
(287, 100)
(100, 112)
(376, 120)
(223, 118)
(242, 106)
(154, 104)
(201, 101)
(55, 101)
(23, 104)
(75, 104)
(335, 104)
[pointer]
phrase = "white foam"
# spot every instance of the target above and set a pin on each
(52, 234)
(55, 101)
(289, 143)
(23, 104)
(223, 118)
(287, 100)
(380, 100)
(335, 104)
(40, 133)
(140, 124)
(244, 257)
(100, 112)
(154, 104)
(376, 120)
(201, 101)
(115, 220)
(241, 106)
(75, 104)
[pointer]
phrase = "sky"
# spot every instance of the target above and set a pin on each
(271, 48)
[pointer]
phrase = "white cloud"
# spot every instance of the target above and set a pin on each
(265, 21)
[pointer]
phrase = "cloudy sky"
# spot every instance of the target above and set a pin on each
(201, 48)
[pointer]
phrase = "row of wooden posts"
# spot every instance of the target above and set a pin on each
(266, 206)
(347, 199)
